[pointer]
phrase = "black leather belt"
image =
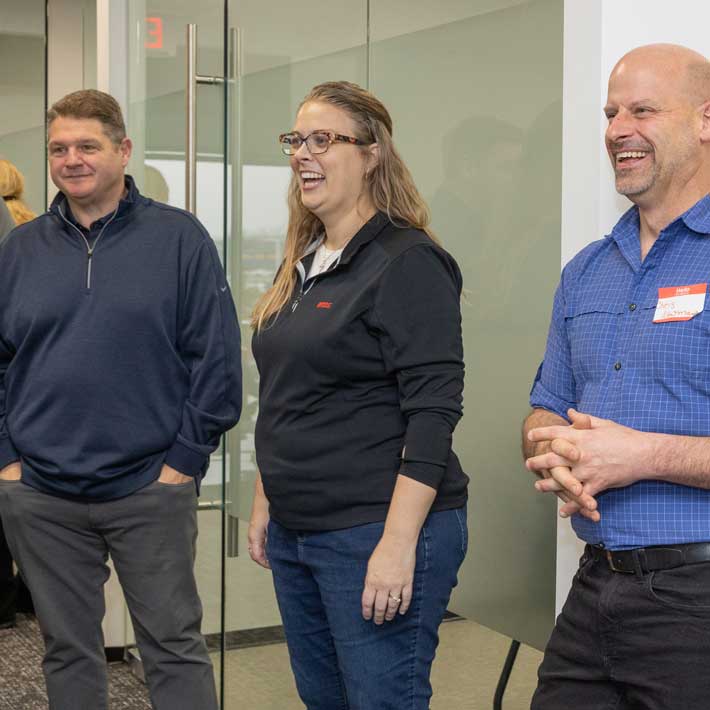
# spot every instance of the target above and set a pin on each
(641, 560)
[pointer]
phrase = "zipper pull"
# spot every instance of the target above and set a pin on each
(89, 254)
(295, 303)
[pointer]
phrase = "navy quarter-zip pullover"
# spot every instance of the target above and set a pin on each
(362, 380)
(119, 349)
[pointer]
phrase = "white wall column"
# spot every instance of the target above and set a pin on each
(597, 34)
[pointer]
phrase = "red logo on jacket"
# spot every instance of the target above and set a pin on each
(324, 304)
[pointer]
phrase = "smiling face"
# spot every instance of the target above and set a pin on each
(653, 132)
(332, 184)
(84, 163)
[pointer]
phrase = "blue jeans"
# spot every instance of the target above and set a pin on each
(341, 661)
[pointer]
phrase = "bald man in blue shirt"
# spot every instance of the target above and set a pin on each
(620, 427)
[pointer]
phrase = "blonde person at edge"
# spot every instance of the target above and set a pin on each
(14, 594)
(12, 187)
(359, 509)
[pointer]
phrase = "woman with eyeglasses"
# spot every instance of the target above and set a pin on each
(359, 508)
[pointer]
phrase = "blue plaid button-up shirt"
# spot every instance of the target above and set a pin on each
(606, 357)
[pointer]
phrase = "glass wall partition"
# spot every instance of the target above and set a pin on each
(476, 97)
(282, 52)
(474, 89)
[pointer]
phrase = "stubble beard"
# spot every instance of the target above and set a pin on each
(630, 185)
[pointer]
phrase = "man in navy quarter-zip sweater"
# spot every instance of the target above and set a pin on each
(119, 371)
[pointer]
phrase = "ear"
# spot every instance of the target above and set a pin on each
(705, 122)
(373, 156)
(126, 148)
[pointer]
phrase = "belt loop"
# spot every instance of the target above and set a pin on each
(640, 565)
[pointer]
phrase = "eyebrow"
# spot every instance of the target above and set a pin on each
(315, 130)
(635, 104)
(92, 141)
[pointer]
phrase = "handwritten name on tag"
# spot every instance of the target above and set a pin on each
(678, 303)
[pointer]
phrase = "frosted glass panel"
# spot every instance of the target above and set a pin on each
(475, 91)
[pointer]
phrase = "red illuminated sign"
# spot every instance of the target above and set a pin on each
(155, 32)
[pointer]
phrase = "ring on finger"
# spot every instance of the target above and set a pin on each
(395, 599)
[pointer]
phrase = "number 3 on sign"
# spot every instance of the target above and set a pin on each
(155, 32)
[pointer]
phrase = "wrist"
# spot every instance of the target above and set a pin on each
(259, 507)
(400, 535)
(649, 463)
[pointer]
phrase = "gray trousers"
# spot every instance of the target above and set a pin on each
(62, 547)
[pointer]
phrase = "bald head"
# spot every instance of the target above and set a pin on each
(683, 68)
(658, 126)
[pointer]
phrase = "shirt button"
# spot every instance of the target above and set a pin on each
(617, 366)
(632, 307)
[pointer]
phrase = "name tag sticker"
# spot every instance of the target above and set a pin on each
(677, 303)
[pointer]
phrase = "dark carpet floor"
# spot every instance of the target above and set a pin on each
(22, 684)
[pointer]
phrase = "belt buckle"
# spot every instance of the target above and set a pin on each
(613, 567)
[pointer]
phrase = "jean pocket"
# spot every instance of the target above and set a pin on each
(585, 561)
(685, 588)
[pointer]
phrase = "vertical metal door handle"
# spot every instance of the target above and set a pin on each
(232, 536)
(193, 79)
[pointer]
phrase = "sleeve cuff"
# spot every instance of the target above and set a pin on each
(427, 473)
(186, 460)
(541, 398)
(8, 453)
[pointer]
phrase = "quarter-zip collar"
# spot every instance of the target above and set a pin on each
(92, 236)
(60, 206)
(363, 236)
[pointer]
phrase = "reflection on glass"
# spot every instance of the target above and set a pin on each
(477, 97)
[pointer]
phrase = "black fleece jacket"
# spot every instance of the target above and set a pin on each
(117, 359)
(362, 380)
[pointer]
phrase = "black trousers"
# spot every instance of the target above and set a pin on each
(8, 586)
(630, 642)
(14, 594)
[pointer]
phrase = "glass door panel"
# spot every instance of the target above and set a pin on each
(22, 86)
(157, 88)
(281, 52)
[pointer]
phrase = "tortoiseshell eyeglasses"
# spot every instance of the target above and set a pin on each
(316, 142)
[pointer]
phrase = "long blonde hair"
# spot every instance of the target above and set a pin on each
(390, 184)
(12, 185)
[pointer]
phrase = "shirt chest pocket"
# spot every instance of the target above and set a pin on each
(677, 352)
(592, 328)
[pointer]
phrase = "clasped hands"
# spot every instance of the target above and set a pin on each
(579, 461)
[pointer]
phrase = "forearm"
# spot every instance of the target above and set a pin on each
(539, 418)
(673, 458)
(260, 503)
(411, 502)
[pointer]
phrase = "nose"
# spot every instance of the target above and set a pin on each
(302, 152)
(72, 156)
(620, 126)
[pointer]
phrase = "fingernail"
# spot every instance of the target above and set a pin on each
(563, 514)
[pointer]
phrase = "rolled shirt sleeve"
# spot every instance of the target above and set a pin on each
(554, 386)
(418, 309)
